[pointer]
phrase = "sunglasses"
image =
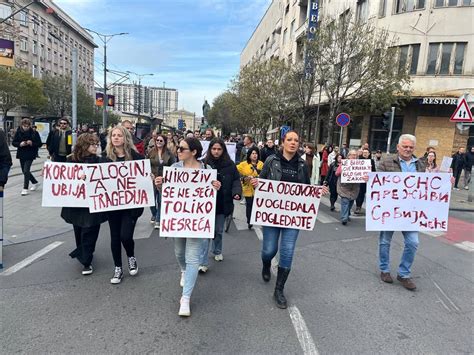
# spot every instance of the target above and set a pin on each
(160, 140)
(182, 149)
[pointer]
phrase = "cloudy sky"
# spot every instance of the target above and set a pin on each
(193, 46)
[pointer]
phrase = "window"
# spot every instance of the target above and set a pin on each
(285, 35)
(408, 58)
(382, 8)
(23, 44)
(23, 18)
(5, 11)
(34, 70)
(48, 54)
(292, 29)
(443, 3)
(415, 55)
(362, 10)
(445, 58)
(41, 53)
(402, 6)
(34, 47)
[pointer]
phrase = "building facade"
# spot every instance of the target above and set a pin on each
(435, 41)
(188, 120)
(144, 100)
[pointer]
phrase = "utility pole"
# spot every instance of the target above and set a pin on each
(392, 117)
(74, 96)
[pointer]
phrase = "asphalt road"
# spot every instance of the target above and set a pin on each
(49, 307)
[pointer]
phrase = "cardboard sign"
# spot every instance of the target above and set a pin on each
(407, 201)
(446, 164)
(285, 205)
(231, 149)
(354, 170)
(188, 203)
(119, 185)
(63, 186)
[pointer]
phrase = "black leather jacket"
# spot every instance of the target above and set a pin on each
(272, 169)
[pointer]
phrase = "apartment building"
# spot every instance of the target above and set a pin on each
(435, 39)
(44, 36)
(144, 100)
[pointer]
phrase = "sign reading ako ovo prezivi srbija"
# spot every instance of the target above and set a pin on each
(188, 203)
(285, 204)
(398, 201)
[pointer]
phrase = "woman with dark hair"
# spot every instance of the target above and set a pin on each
(122, 223)
(159, 156)
(249, 169)
(86, 225)
(27, 141)
(313, 162)
(324, 162)
(331, 180)
(188, 250)
(431, 166)
(287, 166)
(218, 158)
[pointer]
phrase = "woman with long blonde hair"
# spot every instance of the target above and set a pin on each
(122, 223)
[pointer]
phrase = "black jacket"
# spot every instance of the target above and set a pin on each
(54, 139)
(272, 169)
(458, 161)
(80, 216)
(468, 161)
(229, 177)
(28, 152)
(266, 152)
(5, 158)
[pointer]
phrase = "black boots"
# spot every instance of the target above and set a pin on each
(279, 297)
(266, 270)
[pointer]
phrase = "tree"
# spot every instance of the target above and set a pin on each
(19, 88)
(357, 66)
(225, 114)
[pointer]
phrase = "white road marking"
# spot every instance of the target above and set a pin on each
(446, 296)
(258, 232)
(302, 332)
(354, 239)
(434, 234)
(325, 218)
(466, 245)
(30, 259)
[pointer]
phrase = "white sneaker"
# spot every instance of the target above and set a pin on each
(132, 266)
(203, 269)
(181, 280)
(466, 187)
(118, 275)
(219, 257)
(157, 225)
(34, 187)
(24, 192)
(184, 310)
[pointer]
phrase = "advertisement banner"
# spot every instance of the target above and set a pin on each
(407, 201)
(99, 99)
(43, 130)
(7, 53)
(285, 204)
(354, 170)
(188, 203)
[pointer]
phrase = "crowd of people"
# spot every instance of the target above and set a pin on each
(288, 160)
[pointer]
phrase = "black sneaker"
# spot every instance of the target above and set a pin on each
(87, 270)
(118, 276)
(132, 266)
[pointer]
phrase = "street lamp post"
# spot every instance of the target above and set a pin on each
(105, 38)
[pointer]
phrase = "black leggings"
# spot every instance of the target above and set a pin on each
(122, 226)
(28, 176)
(361, 196)
(248, 208)
(86, 239)
(457, 175)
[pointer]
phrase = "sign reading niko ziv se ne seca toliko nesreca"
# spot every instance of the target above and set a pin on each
(407, 201)
(99, 187)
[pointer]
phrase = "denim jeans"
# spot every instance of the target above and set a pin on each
(216, 242)
(411, 245)
(156, 209)
(188, 252)
(346, 206)
(287, 244)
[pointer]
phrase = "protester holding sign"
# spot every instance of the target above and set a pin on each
(122, 223)
(159, 156)
(404, 161)
(218, 158)
(363, 186)
(331, 180)
(347, 191)
(86, 225)
(249, 169)
(188, 250)
(286, 166)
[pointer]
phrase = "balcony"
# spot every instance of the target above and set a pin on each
(301, 31)
(278, 26)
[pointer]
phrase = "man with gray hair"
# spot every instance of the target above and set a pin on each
(404, 161)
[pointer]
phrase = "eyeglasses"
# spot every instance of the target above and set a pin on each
(181, 149)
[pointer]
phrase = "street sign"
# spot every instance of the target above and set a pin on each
(284, 130)
(343, 119)
(462, 113)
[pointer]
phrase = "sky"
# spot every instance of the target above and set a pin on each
(193, 46)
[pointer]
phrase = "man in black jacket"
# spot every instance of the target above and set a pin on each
(59, 141)
(458, 165)
(5, 159)
(468, 161)
(268, 149)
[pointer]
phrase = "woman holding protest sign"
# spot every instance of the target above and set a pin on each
(286, 166)
(122, 223)
(159, 156)
(218, 158)
(363, 186)
(86, 225)
(188, 250)
(331, 180)
(347, 192)
(249, 169)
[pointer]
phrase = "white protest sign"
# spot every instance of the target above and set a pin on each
(354, 170)
(119, 185)
(285, 204)
(188, 203)
(446, 164)
(231, 149)
(63, 186)
(407, 201)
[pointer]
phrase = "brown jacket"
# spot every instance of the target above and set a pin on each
(391, 163)
(349, 191)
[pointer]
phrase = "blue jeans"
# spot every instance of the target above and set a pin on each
(156, 209)
(188, 252)
(411, 245)
(287, 244)
(216, 242)
(346, 206)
